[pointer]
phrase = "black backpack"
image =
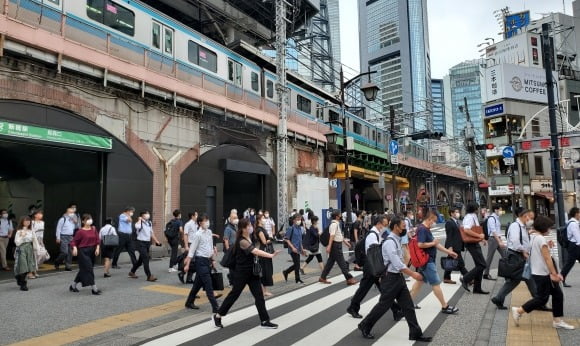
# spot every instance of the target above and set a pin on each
(171, 229)
(360, 254)
(325, 236)
(485, 228)
(562, 235)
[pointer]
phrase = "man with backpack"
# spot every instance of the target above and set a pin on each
(125, 232)
(573, 242)
(368, 280)
(394, 287)
(174, 232)
(427, 243)
(334, 251)
(492, 227)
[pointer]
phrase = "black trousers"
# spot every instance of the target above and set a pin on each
(202, 279)
(294, 267)
(544, 289)
(311, 257)
(475, 274)
(143, 248)
(174, 244)
(191, 271)
(460, 266)
(125, 244)
(365, 285)
(573, 251)
(241, 278)
(393, 287)
(336, 256)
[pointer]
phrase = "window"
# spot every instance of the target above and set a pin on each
(539, 165)
(201, 56)
(333, 116)
(356, 128)
(303, 104)
(374, 136)
(235, 72)
(255, 82)
(378, 137)
(536, 127)
(156, 35)
(113, 15)
(168, 45)
(269, 89)
(56, 2)
(319, 111)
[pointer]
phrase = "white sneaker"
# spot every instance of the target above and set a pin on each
(516, 315)
(562, 325)
(172, 270)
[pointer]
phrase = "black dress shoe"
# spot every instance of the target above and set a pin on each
(73, 289)
(180, 275)
(192, 306)
(116, 267)
(189, 281)
(499, 305)
(417, 307)
(488, 277)
(23, 288)
(68, 269)
(96, 293)
(421, 338)
(480, 292)
(365, 334)
(353, 313)
(464, 284)
(285, 276)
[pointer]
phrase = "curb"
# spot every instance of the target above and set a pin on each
(484, 333)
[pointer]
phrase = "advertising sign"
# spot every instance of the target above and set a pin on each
(516, 82)
(514, 22)
(524, 49)
(493, 110)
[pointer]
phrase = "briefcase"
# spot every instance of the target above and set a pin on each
(449, 264)
(511, 266)
(217, 281)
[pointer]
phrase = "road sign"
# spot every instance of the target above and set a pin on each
(395, 159)
(394, 147)
(468, 172)
(509, 161)
(509, 152)
(333, 183)
(512, 188)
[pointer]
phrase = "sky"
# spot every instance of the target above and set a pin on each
(456, 27)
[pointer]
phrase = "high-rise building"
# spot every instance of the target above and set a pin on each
(464, 82)
(438, 105)
(394, 41)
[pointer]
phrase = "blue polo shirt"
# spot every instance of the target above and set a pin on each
(294, 234)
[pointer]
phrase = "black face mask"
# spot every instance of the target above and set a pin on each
(403, 232)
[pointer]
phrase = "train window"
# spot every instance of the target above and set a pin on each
(168, 41)
(201, 56)
(303, 104)
(255, 82)
(269, 89)
(357, 128)
(319, 111)
(112, 15)
(333, 116)
(235, 72)
(374, 136)
(378, 137)
(56, 2)
(156, 35)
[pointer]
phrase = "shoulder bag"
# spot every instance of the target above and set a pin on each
(468, 239)
(110, 239)
(257, 268)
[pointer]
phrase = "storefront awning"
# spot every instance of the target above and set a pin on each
(546, 195)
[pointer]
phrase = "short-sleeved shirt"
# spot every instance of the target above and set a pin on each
(107, 230)
(334, 230)
(294, 234)
(38, 228)
(144, 230)
(125, 224)
(190, 228)
(424, 235)
(393, 254)
(5, 227)
(244, 256)
(230, 234)
(539, 266)
(518, 238)
(202, 244)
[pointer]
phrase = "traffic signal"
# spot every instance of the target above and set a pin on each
(487, 146)
(426, 135)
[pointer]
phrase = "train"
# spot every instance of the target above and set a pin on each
(134, 26)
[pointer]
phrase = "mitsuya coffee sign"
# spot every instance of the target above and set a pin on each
(516, 82)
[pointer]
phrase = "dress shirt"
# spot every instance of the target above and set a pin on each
(514, 242)
(202, 244)
(144, 229)
(573, 231)
(5, 227)
(190, 228)
(125, 224)
(494, 225)
(66, 226)
(371, 238)
(393, 254)
(334, 229)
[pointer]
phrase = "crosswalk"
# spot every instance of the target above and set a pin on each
(311, 315)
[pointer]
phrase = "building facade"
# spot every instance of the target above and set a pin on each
(393, 39)
(438, 105)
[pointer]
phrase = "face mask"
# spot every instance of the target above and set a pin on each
(529, 223)
(299, 222)
(89, 222)
(4, 216)
(73, 209)
(252, 213)
(266, 215)
(71, 214)
(412, 217)
(236, 221)
(146, 216)
(403, 232)
(131, 214)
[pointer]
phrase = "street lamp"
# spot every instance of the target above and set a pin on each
(370, 91)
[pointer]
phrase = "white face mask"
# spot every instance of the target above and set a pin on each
(146, 216)
(131, 214)
(529, 223)
(236, 221)
(71, 214)
(266, 215)
(299, 222)
(252, 213)
(4, 216)
(89, 222)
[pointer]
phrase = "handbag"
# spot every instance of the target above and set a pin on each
(217, 280)
(257, 268)
(110, 239)
(449, 264)
(511, 266)
(469, 239)
(269, 248)
(229, 259)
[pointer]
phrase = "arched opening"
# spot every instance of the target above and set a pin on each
(227, 177)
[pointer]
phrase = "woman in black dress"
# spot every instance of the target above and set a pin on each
(86, 246)
(243, 274)
(265, 244)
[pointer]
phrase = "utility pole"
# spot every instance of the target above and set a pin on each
(510, 128)
(470, 143)
(555, 150)
(347, 198)
(282, 134)
(394, 174)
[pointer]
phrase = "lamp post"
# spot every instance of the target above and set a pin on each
(370, 91)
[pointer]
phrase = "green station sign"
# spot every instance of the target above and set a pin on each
(12, 129)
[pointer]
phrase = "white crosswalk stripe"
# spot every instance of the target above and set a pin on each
(340, 326)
